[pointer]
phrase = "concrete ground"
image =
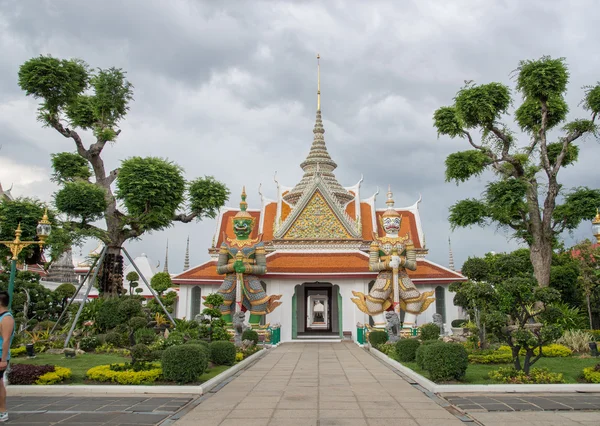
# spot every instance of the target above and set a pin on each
(309, 384)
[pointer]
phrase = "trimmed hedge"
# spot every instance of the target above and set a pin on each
(592, 374)
(103, 373)
(250, 335)
(197, 342)
(420, 351)
(141, 353)
(406, 349)
(429, 332)
(377, 337)
(457, 323)
(184, 363)
(222, 352)
(445, 361)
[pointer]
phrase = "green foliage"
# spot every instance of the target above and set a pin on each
(116, 311)
(579, 204)
(482, 105)
(491, 357)
(144, 335)
(576, 340)
(152, 189)
(475, 269)
(447, 122)
(377, 337)
(115, 339)
(136, 323)
(112, 94)
(57, 82)
(250, 335)
(458, 323)
(161, 282)
(463, 165)
(69, 167)
(565, 316)
(581, 126)
(222, 353)
(65, 291)
(207, 195)
(468, 212)
(140, 353)
(445, 361)
(505, 200)
(197, 342)
(591, 101)
(429, 332)
(175, 338)
(89, 343)
(529, 114)
(406, 349)
(132, 276)
(592, 374)
(81, 199)
(542, 78)
(184, 363)
(535, 376)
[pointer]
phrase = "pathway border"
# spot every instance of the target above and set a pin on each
(78, 390)
(435, 388)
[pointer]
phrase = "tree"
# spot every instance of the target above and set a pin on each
(161, 282)
(212, 324)
(152, 191)
(133, 278)
(588, 257)
(63, 293)
(526, 197)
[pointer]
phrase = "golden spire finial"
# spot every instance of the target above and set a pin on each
(597, 218)
(318, 82)
(390, 200)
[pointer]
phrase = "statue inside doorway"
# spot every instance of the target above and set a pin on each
(242, 259)
(391, 256)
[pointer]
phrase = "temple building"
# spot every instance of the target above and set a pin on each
(317, 236)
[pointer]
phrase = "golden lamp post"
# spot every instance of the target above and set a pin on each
(596, 226)
(16, 246)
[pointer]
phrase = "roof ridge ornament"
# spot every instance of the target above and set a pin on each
(318, 82)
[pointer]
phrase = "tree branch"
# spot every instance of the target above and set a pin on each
(68, 133)
(111, 177)
(185, 218)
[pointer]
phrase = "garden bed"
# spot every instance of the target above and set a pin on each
(475, 382)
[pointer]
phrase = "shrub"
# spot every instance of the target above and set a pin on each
(406, 349)
(595, 334)
(89, 343)
(15, 352)
(136, 323)
(129, 307)
(184, 363)
(115, 339)
(145, 336)
(175, 338)
(421, 351)
(27, 374)
(156, 355)
(197, 342)
(103, 373)
(377, 337)
(387, 348)
(44, 325)
(490, 357)
(239, 356)
(222, 353)
(535, 376)
(550, 351)
(445, 361)
(458, 323)
(59, 375)
(592, 374)
(250, 335)
(429, 332)
(576, 340)
(140, 353)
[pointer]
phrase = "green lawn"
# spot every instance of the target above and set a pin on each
(571, 367)
(78, 365)
(82, 363)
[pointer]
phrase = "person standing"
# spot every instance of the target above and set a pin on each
(7, 330)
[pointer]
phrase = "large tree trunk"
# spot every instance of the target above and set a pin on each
(110, 276)
(541, 259)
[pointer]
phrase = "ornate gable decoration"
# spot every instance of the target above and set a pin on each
(318, 215)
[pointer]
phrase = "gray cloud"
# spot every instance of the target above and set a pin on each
(228, 89)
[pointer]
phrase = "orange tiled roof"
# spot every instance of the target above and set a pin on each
(319, 263)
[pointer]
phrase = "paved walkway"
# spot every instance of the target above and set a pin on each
(307, 384)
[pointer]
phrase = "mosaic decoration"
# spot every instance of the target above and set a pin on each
(317, 221)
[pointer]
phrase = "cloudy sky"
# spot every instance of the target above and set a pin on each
(228, 89)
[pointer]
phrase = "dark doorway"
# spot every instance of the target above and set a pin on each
(317, 309)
